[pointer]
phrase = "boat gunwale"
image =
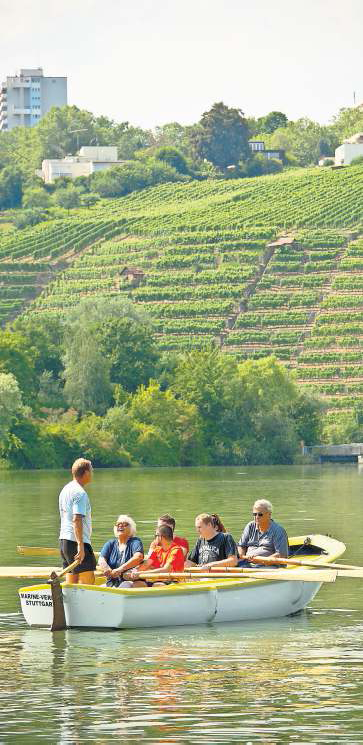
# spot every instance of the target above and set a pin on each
(190, 586)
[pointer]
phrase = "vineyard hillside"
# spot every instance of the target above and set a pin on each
(258, 266)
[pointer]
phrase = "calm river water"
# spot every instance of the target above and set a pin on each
(296, 680)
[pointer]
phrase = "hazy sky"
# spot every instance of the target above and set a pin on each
(154, 61)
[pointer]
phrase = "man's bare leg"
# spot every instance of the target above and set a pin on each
(84, 578)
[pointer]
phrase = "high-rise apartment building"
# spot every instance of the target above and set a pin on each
(26, 97)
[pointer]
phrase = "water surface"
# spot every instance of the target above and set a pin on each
(295, 680)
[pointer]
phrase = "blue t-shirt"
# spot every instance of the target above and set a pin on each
(114, 556)
(264, 544)
(73, 500)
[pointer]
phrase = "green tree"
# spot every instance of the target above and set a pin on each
(221, 136)
(202, 378)
(42, 339)
(10, 404)
(87, 385)
(29, 218)
(11, 188)
(131, 350)
(89, 199)
(16, 359)
(306, 140)
(173, 158)
(36, 197)
(271, 122)
(173, 135)
(348, 122)
(167, 428)
(68, 198)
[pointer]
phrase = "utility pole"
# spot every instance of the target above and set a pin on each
(76, 132)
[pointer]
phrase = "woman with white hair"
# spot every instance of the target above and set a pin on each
(262, 536)
(121, 553)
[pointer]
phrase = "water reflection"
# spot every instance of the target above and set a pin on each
(272, 681)
(297, 679)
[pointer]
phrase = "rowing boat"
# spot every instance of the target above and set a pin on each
(188, 602)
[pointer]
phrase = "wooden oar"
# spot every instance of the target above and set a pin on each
(275, 574)
(356, 572)
(303, 563)
(41, 551)
(14, 572)
(59, 618)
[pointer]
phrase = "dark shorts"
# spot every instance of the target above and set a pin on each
(68, 550)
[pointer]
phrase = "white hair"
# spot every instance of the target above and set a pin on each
(265, 504)
(125, 519)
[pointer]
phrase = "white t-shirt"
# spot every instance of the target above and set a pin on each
(73, 500)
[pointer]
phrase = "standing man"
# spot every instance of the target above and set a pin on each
(76, 525)
(262, 536)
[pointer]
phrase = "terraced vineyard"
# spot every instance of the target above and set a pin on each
(259, 266)
(29, 259)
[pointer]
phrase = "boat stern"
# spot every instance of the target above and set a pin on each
(37, 605)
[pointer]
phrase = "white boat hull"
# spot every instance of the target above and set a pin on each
(197, 602)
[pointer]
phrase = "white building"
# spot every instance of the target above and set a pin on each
(89, 160)
(26, 97)
(350, 149)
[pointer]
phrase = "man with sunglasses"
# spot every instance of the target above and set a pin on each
(262, 536)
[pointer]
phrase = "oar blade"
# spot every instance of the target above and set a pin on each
(354, 573)
(14, 572)
(37, 551)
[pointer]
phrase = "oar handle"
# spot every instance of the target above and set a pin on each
(68, 569)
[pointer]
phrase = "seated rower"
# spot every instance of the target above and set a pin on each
(213, 548)
(122, 553)
(167, 556)
(182, 542)
(262, 536)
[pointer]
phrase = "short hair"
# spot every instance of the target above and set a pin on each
(125, 519)
(81, 466)
(165, 531)
(168, 520)
(265, 504)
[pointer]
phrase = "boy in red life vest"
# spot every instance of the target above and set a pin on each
(167, 556)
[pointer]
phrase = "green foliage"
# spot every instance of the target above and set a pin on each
(305, 140)
(131, 350)
(221, 136)
(16, 359)
(36, 197)
(358, 161)
(29, 217)
(10, 404)
(11, 189)
(68, 198)
(173, 158)
(89, 199)
(121, 180)
(272, 121)
(347, 123)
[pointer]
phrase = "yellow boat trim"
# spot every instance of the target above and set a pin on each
(333, 547)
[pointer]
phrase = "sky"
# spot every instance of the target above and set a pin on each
(150, 62)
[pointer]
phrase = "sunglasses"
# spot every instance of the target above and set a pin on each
(122, 525)
(258, 514)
